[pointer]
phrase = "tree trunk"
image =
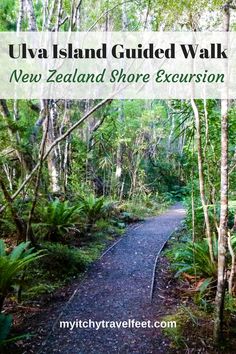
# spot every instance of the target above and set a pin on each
(2, 298)
(21, 15)
(119, 152)
(201, 178)
(52, 157)
(54, 144)
(223, 227)
(12, 134)
(31, 16)
(19, 223)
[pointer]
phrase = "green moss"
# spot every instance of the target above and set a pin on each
(175, 334)
(187, 319)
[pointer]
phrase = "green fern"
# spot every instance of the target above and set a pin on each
(12, 264)
(56, 219)
(92, 209)
(193, 258)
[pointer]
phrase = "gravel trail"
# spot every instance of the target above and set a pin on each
(117, 288)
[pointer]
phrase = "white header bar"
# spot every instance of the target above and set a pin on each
(132, 65)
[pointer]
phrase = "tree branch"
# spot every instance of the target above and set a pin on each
(54, 144)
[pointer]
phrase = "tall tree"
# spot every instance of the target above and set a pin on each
(224, 189)
(201, 177)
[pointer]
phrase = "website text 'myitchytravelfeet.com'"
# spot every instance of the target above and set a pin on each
(130, 323)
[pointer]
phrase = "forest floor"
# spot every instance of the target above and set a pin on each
(117, 287)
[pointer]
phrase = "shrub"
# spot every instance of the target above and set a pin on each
(92, 209)
(230, 303)
(185, 318)
(40, 289)
(193, 258)
(111, 208)
(5, 327)
(62, 259)
(177, 193)
(192, 261)
(56, 219)
(12, 264)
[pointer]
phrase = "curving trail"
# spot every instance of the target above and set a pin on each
(117, 288)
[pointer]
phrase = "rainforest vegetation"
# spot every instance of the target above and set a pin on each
(75, 173)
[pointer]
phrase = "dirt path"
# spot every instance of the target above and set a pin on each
(117, 288)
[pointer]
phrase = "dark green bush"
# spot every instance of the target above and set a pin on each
(5, 327)
(62, 259)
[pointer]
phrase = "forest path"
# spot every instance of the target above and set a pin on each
(117, 288)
